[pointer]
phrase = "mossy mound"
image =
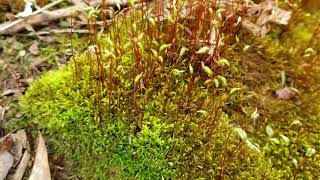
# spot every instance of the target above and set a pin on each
(111, 146)
(142, 103)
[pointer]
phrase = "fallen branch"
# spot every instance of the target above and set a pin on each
(40, 16)
(7, 25)
(20, 24)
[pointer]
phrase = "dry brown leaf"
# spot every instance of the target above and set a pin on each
(40, 168)
(285, 93)
(37, 61)
(6, 162)
(271, 13)
(47, 39)
(8, 92)
(15, 44)
(280, 16)
(2, 112)
(265, 13)
(27, 81)
(22, 167)
(2, 62)
(254, 29)
(6, 143)
(29, 28)
(20, 143)
(34, 49)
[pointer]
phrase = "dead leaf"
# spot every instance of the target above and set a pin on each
(6, 143)
(40, 168)
(271, 13)
(20, 143)
(254, 29)
(27, 81)
(2, 112)
(34, 49)
(48, 39)
(19, 115)
(15, 44)
(22, 167)
(285, 93)
(6, 162)
(8, 92)
(264, 14)
(28, 27)
(37, 61)
(2, 62)
(280, 16)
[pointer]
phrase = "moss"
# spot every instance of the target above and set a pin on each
(63, 106)
(260, 75)
(131, 108)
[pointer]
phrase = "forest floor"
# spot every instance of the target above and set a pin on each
(23, 59)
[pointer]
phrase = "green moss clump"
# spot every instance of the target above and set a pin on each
(159, 142)
(132, 107)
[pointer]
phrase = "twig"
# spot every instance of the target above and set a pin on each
(57, 31)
